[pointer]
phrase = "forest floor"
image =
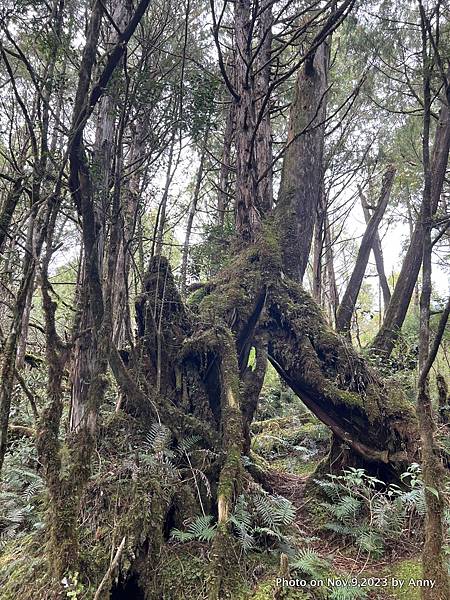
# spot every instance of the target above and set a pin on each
(356, 545)
(293, 447)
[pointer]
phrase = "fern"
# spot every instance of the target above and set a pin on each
(269, 532)
(309, 562)
(187, 444)
(202, 529)
(158, 438)
(363, 509)
(346, 509)
(274, 510)
(370, 541)
(241, 516)
(20, 498)
(246, 540)
(348, 593)
(259, 517)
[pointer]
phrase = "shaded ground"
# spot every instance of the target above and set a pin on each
(293, 448)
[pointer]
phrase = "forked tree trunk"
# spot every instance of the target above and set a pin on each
(378, 254)
(348, 302)
(205, 356)
(370, 416)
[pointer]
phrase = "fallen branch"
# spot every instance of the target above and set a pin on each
(111, 568)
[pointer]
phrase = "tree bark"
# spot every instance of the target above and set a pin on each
(66, 489)
(9, 353)
(223, 198)
(191, 215)
(8, 208)
(318, 252)
(263, 138)
(161, 218)
(302, 171)
(443, 399)
(248, 216)
(433, 561)
(332, 288)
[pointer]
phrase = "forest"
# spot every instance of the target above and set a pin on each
(224, 299)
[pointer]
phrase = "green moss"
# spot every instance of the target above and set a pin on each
(281, 435)
(267, 589)
(296, 467)
(404, 571)
(183, 575)
(228, 474)
(24, 571)
(196, 297)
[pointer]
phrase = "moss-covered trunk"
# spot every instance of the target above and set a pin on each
(197, 358)
(367, 413)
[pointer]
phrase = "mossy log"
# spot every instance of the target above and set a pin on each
(367, 413)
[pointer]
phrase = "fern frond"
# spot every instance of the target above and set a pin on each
(158, 438)
(202, 528)
(309, 562)
(186, 445)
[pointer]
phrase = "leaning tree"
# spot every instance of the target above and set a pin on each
(188, 367)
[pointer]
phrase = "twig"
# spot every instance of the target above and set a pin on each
(111, 568)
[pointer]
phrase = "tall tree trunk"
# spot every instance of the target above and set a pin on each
(443, 399)
(263, 138)
(225, 167)
(348, 302)
(433, 562)
(8, 208)
(130, 218)
(85, 349)
(9, 353)
(384, 341)
(332, 289)
(318, 250)
(248, 216)
(302, 171)
(161, 217)
(411, 222)
(191, 215)
(66, 489)
(23, 338)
